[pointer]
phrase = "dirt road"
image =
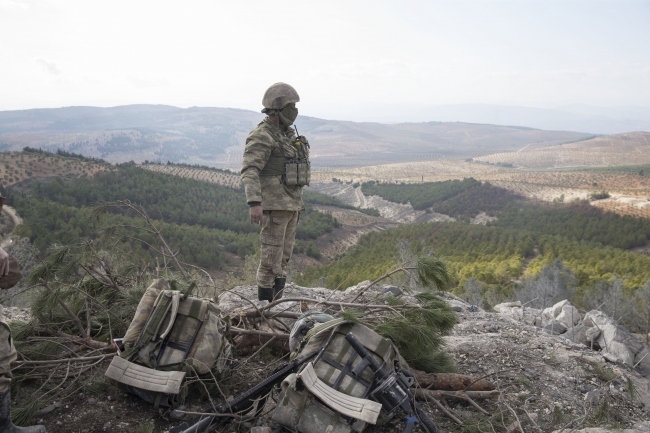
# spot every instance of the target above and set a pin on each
(12, 214)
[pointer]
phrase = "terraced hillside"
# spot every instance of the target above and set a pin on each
(618, 149)
(18, 166)
(221, 177)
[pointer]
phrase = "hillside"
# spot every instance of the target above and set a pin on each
(215, 136)
(619, 149)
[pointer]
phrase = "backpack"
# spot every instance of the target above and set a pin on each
(330, 393)
(181, 334)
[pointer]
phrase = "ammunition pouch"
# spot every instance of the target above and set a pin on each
(297, 172)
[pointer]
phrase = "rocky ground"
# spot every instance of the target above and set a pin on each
(547, 382)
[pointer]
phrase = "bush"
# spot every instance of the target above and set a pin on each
(600, 195)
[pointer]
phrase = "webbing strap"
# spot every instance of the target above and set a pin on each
(160, 307)
(323, 327)
(175, 301)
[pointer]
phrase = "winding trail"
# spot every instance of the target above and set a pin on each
(13, 215)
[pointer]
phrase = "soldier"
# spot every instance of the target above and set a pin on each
(7, 356)
(274, 170)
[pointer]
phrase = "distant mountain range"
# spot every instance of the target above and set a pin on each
(583, 118)
(216, 136)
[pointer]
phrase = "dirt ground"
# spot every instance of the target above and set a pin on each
(548, 381)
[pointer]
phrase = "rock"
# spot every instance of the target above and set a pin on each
(562, 312)
(263, 429)
(610, 358)
(613, 338)
(555, 328)
(569, 315)
(641, 360)
(591, 334)
(592, 397)
(175, 414)
(513, 309)
(504, 308)
(576, 335)
(45, 410)
(457, 305)
(388, 290)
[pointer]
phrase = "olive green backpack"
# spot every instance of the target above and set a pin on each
(181, 335)
(331, 392)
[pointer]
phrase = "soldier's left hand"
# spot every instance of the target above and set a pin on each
(256, 215)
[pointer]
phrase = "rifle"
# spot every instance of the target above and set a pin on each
(244, 402)
(392, 390)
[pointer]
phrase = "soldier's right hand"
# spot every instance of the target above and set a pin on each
(256, 215)
(4, 263)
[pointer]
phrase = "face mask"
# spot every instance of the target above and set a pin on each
(288, 114)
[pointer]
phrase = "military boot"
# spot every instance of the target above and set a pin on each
(278, 288)
(264, 294)
(6, 426)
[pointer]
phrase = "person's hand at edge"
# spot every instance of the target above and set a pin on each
(4, 263)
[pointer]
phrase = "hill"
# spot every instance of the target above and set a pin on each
(620, 149)
(215, 136)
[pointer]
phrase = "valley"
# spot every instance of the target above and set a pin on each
(507, 230)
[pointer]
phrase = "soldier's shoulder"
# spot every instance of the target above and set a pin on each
(262, 130)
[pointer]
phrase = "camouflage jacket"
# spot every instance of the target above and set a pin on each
(263, 141)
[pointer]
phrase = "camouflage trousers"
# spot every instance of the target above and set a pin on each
(277, 237)
(7, 356)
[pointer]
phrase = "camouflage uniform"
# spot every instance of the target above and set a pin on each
(267, 145)
(7, 355)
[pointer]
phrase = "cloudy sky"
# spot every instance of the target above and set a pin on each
(337, 53)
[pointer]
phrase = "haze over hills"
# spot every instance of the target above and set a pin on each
(576, 117)
(215, 136)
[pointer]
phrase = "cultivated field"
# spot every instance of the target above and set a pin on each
(618, 149)
(212, 176)
(410, 172)
(623, 207)
(18, 166)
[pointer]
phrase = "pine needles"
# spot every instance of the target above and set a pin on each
(418, 332)
(432, 272)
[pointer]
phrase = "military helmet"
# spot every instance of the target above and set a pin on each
(279, 95)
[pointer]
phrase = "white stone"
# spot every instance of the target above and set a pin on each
(505, 307)
(613, 339)
(569, 316)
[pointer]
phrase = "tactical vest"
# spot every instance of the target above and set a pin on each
(292, 164)
(182, 335)
(336, 368)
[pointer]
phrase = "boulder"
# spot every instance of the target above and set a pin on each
(552, 312)
(513, 309)
(506, 306)
(616, 340)
(591, 335)
(569, 315)
(555, 328)
(576, 335)
(562, 312)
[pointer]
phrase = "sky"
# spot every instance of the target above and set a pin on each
(369, 55)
